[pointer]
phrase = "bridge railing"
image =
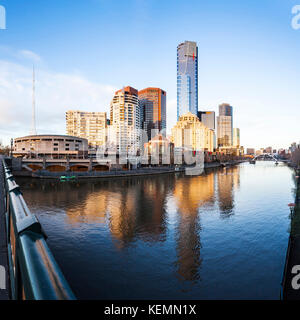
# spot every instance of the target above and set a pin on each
(34, 273)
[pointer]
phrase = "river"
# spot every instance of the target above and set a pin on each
(222, 235)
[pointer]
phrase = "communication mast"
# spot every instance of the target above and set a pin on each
(33, 124)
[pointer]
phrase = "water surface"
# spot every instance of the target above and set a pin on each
(222, 235)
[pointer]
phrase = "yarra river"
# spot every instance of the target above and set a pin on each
(222, 235)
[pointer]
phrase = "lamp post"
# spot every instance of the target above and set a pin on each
(11, 147)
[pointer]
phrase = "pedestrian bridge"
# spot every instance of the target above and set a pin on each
(266, 156)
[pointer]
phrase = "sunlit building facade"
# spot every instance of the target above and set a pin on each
(88, 125)
(190, 132)
(50, 147)
(236, 137)
(153, 110)
(187, 78)
(225, 126)
(125, 121)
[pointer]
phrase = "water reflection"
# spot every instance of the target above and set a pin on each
(144, 219)
(136, 208)
(228, 180)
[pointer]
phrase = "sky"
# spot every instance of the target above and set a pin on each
(83, 51)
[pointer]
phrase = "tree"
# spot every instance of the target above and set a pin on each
(5, 150)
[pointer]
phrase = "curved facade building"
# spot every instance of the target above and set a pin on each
(125, 120)
(187, 78)
(50, 146)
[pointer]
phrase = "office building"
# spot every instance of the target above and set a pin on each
(88, 125)
(187, 78)
(225, 126)
(236, 137)
(208, 118)
(153, 110)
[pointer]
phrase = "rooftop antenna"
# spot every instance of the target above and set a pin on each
(33, 124)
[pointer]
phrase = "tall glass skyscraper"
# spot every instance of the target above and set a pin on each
(187, 78)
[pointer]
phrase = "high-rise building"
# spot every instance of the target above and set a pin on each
(153, 110)
(208, 118)
(89, 125)
(190, 132)
(225, 126)
(225, 109)
(125, 121)
(236, 137)
(187, 78)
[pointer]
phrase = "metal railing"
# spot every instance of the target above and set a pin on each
(34, 273)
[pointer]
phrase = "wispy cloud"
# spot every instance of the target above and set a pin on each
(55, 94)
(27, 54)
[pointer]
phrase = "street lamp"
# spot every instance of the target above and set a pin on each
(11, 147)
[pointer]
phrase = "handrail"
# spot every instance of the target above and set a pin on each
(34, 273)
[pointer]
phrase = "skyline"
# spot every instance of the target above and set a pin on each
(75, 71)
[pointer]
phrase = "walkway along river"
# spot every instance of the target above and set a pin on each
(222, 235)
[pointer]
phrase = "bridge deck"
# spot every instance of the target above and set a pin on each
(4, 293)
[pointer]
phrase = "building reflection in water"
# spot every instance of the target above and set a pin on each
(135, 209)
(191, 194)
(228, 181)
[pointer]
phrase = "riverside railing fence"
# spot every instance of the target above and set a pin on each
(34, 273)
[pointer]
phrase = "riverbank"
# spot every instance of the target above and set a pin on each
(293, 251)
(43, 174)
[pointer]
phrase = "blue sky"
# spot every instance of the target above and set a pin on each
(85, 50)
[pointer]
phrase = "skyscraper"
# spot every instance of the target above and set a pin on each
(225, 125)
(208, 118)
(187, 78)
(125, 121)
(236, 137)
(153, 110)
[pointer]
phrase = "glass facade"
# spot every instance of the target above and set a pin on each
(225, 125)
(187, 78)
(153, 110)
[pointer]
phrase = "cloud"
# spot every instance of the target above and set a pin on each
(27, 54)
(55, 94)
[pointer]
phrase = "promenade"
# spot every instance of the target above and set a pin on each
(4, 293)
